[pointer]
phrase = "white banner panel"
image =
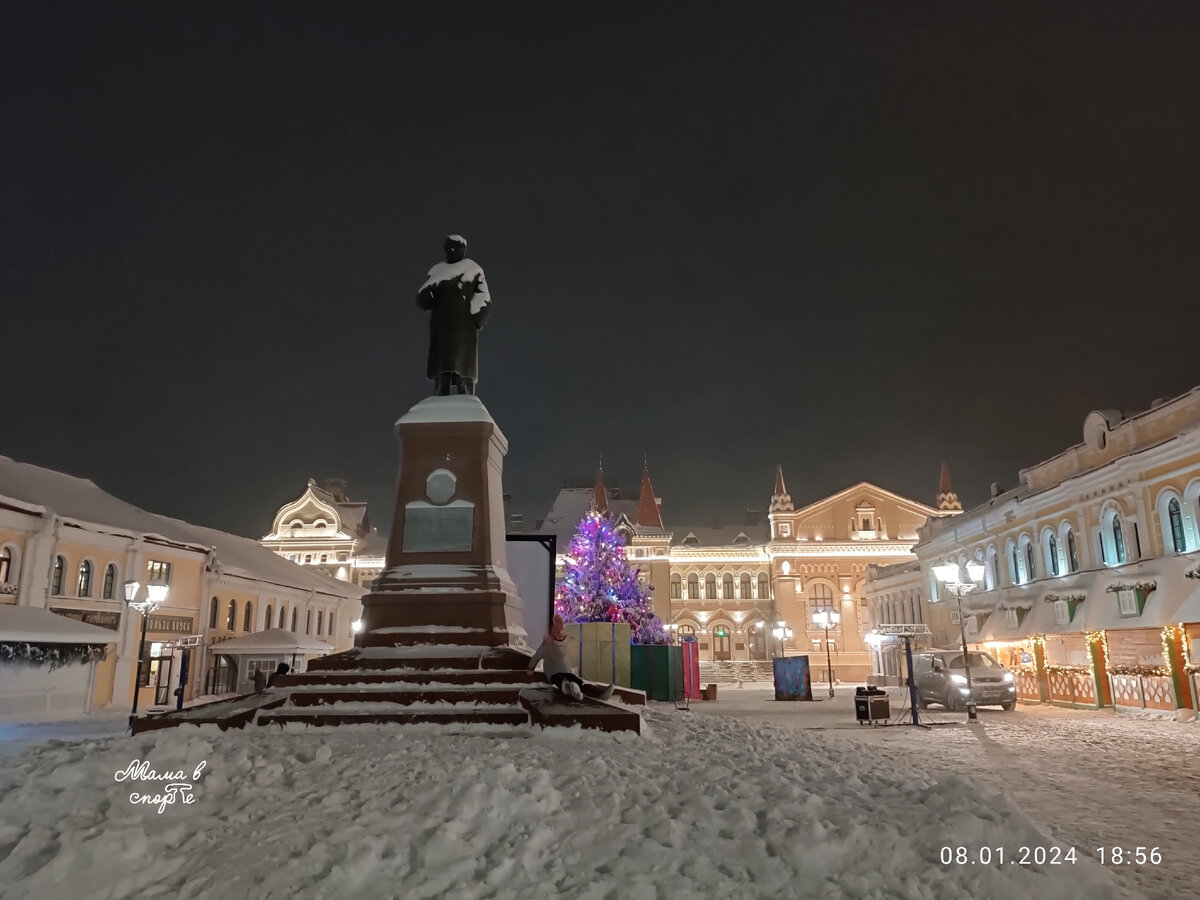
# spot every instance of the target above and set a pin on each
(531, 567)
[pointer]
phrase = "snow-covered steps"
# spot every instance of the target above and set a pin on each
(548, 708)
(310, 695)
(411, 675)
(422, 656)
(236, 712)
(366, 712)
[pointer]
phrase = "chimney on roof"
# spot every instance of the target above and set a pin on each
(337, 487)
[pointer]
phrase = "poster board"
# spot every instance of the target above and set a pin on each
(792, 679)
(531, 567)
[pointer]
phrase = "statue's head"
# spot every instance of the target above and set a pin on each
(456, 248)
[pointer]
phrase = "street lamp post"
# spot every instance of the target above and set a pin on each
(155, 595)
(827, 619)
(951, 575)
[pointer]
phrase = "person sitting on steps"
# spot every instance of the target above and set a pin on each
(556, 668)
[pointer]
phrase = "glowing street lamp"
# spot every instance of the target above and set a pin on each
(827, 619)
(950, 574)
(156, 594)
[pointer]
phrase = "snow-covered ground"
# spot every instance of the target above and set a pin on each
(741, 798)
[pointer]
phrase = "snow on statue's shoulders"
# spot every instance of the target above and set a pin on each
(453, 408)
(466, 269)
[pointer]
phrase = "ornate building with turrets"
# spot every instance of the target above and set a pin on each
(749, 591)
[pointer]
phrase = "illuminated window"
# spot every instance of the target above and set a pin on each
(727, 586)
(1175, 517)
(764, 587)
(746, 588)
(693, 587)
(56, 581)
(676, 588)
(85, 580)
(231, 619)
(710, 586)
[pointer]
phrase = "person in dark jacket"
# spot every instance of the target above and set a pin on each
(281, 669)
(457, 297)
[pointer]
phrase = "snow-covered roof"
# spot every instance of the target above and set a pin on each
(721, 536)
(454, 408)
(247, 558)
(44, 492)
(273, 640)
(32, 623)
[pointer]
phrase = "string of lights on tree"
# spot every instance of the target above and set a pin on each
(599, 585)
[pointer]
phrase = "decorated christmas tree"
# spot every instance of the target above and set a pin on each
(600, 586)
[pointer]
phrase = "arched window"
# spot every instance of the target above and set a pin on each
(320, 525)
(693, 587)
(231, 619)
(292, 557)
(1175, 521)
(746, 589)
(1030, 562)
(248, 617)
(269, 618)
(764, 586)
(320, 622)
(1118, 539)
(324, 557)
(5, 564)
(110, 581)
(295, 614)
(822, 596)
(676, 588)
(85, 580)
(727, 586)
(212, 613)
(329, 631)
(710, 586)
(1051, 554)
(992, 569)
(308, 557)
(308, 622)
(60, 566)
(1072, 551)
(687, 630)
(283, 617)
(1014, 567)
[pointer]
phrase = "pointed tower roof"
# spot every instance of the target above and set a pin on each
(599, 494)
(781, 501)
(649, 513)
(947, 500)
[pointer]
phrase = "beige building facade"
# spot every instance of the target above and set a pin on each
(1091, 585)
(748, 592)
(69, 547)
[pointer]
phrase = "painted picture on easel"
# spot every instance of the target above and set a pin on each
(792, 679)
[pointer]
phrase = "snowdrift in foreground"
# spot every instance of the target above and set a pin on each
(698, 808)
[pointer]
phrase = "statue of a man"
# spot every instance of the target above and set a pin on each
(457, 297)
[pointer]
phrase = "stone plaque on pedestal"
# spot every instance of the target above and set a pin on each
(438, 529)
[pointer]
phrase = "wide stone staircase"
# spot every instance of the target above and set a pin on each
(408, 683)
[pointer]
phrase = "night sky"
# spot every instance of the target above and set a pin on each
(855, 239)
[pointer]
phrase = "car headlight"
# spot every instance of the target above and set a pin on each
(959, 679)
(1008, 676)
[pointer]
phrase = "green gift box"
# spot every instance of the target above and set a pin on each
(657, 669)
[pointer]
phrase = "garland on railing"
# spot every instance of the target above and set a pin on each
(1139, 670)
(1054, 598)
(54, 655)
(7, 588)
(1069, 670)
(1144, 586)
